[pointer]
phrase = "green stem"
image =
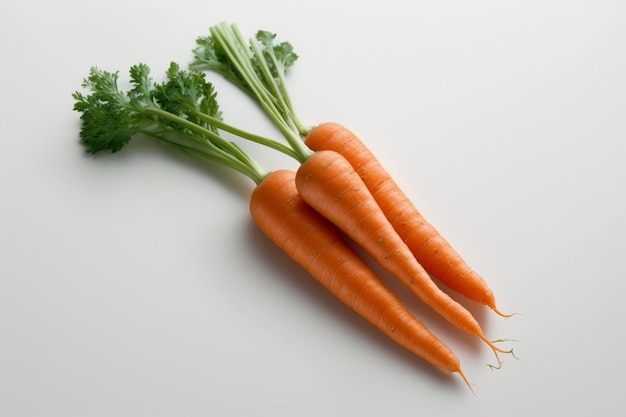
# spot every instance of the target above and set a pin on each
(235, 48)
(281, 89)
(213, 121)
(255, 174)
(229, 153)
(270, 82)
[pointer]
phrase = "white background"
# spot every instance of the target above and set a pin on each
(136, 284)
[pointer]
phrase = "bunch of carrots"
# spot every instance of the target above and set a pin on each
(339, 192)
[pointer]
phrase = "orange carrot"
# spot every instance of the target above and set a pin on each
(325, 179)
(318, 246)
(431, 250)
(259, 67)
(329, 184)
(183, 112)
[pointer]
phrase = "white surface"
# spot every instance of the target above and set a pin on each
(136, 284)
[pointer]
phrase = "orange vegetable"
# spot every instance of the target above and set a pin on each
(259, 66)
(320, 248)
(329, 184)
(430, 249)
(184, 113)
(325, 180)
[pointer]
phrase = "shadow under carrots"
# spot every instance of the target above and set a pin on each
(292, 274)
(466, 346)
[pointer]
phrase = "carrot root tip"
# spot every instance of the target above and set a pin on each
(500, 350)
(494, 348)
(494, 367)
(510, 351)
(513, 354)
(506, 339)
(503, 350)
(467, 382)
(501, 314)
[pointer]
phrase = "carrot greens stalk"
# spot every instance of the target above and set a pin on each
(257, 67)
(183, 112)
(326, 180)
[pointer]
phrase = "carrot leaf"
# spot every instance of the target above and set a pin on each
(181, 111)
(109, 117)
(278, 56)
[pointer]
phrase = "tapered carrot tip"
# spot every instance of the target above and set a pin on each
(496, 350)
(466, 382)
(501, 314)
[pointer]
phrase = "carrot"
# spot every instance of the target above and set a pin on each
(318, 246)
(337, 192)
(259, 69)
(329, 184)
(183, 112)
(430, 249)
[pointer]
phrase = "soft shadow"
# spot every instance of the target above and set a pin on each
(141, 148)
(439, 326)
(288, 272)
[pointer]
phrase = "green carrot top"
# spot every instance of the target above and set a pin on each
(258, 67)
(182, 111)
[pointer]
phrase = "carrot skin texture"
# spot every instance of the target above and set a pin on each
(431, 250)
(328, 183)
(320, 248)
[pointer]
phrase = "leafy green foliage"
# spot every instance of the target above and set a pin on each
(188, 95)
(181, 111)
(109, 116)
(143, 86)
(210, 55)
(279, 57)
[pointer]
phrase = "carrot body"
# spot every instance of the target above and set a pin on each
(430, 249)
(320, 248)
(328, 183)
